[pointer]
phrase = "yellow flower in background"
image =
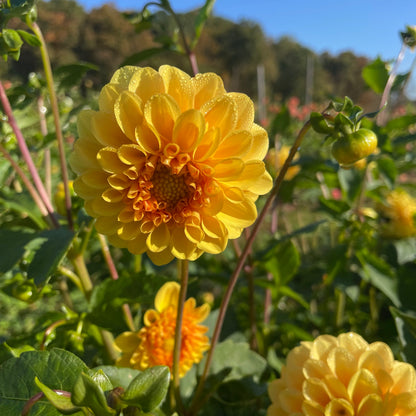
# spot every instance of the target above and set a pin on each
(154, 343)
(344, 375)
(170, 165)
(276, 158)
(399, 214)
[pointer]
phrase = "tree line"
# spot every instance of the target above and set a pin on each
(106, 37)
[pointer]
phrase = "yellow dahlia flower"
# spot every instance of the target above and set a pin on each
(276, 158)
(343, 376)
(170, 165)
(400, 212)
(153, 344)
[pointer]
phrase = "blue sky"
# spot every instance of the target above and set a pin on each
(365, 27)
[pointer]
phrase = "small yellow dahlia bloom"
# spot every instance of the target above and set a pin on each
(170, 165)
(399, 211)
(276, 158)
(344, 375)
(154, 343)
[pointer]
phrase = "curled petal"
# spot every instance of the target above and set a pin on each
(129, 113)
(107, 131)
(206, 86)
(146, 82)
(189, 130)
(236, 144)
(167, 296)
(158, 240)
(245, 110)
(208, 145)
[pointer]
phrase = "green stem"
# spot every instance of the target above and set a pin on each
(83, 274)
(183, 266)
(195, 406)
(55, 111)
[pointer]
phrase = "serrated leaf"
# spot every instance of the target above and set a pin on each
(119, 376)
(148, 389)
(60, 401)
(376, 75)
(87, 393)
(57, 367)
(50, 253)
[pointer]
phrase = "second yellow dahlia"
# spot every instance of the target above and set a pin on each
(170, 164)
(343, 376)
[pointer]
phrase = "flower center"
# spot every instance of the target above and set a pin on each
(168, 189)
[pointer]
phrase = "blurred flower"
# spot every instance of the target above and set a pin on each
(343, 376)
(153, 344)
(398, 214)
(276, 158)
(170, 165)
(59, 196)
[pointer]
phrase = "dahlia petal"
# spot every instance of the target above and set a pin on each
(138, 245)
(123, 75)
(95, 179)
(372, 405)
(128, 230)
(236, 144)
(315, 390)
(106, 130)
(245, 110)
(208, 145)
(147, 140)
(206, 86)
(372, 361)
(127, 342)
(84, 156)
(194, 233)
(112, 195)
(159, 239)
(145, 83)
(182, 247)
(384, 380)
(234, 195)
(362, 384)
(274, 388)
(310, 409)
(161, 258)
(189, 130)
(106, 225)
(335, 387)
(101, 207)
(213, 245)
(321, 346)
(216, 202)
(129, 113)
(406, 403)
(116, 241)
(259, 145)
(167, 295)
(291, 401)
(240, 215)
(339, 407)
(131, 154)
(342, 364)
(161, 112)
(384, 351)
(201, 313)
(84, 125)
(85, 191)
(404, 377)
(178, 85)
(108, 96)
(109, 160)
(228, 169)
(221, 112)
(315, 368)
(353, 342)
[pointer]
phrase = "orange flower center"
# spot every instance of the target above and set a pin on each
(169, 189)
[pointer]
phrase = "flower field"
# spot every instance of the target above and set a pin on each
(165, 250)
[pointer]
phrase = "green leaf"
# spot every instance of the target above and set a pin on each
(406, 250)
(87, 393)
(50, 253)
(99, 377)
(203, 15)
(289, 292)
(119, 376)
(280, 122)
(59, 400)
(351, 181)
(71, 75)
(30, 39)
(406, 329)
(142, 55)
(238, 357)
(342, 105)
(6, 351)
(12, 39)
(387, 168)
(12, 247)
(334, 206)
(376, 75)
(320, 123)
(282, 261)
(57, 367)
(148, 389)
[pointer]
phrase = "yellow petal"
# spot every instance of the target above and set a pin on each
(189, 130)
(138, 245)
(339, 407)
(315, 390)
(245, 110)
(206, 86)
(228, 169)
(208, 144)
(372, 405)
(310, 409)
(146, 82)
(95, 179)
(106, 130)
(321, 347)
(131, 154)
(161, 112)
(159, 239)
(106, 225)
(150, 317)
(129, 113)
(342, 364)
(128, 230)
(353, 342)
(260, 143)
(162, 257)
(123, 76)
(109, 160)
(236, 144)
(148, 141)
(362, 384)
(177, 85)
(291, 401)
(404, 378)
(108, 96)
(194, 233)
(182, 247)
(221, 112)
(167, 296)
(127, 342)
(101, 207)
(84, 191)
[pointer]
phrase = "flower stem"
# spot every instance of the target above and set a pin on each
(26, 156)
(183, 266)
(241, 261)
(55, 111)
